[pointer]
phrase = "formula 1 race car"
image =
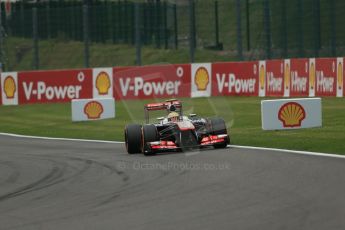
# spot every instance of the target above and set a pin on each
(174, 132)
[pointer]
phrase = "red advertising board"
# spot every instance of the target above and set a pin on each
(0, 92)
(164, 81)
(235, 78)
(54, 86)
(275, 78)
(299, 77)
(325, 77)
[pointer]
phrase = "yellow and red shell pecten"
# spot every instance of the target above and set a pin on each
(93, 110)
(103, 83)
(9, 87)
(291, 114)
(201, 78)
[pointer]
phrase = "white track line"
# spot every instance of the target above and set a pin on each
(290, 151)
(232, 146)
(60, 139)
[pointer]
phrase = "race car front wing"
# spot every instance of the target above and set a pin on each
(205, 141)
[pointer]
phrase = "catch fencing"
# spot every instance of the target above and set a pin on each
(74, 34)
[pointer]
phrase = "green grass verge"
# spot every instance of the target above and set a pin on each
(242, 115)
(55, 54)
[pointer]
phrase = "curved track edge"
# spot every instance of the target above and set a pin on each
(308, 153)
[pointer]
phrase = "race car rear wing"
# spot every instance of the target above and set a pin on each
(162, 106)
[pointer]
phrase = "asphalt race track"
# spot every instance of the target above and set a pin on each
(55, 184)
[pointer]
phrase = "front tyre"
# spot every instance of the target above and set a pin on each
(223, 144)
(133, 138)
(149, 134)
(216, 126)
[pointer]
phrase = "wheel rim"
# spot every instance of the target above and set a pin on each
(126, 140)
(142, 140)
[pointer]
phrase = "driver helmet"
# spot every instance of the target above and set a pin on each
(172, 108)
(173, 116)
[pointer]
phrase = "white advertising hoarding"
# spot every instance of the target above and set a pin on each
(9, 83)
(287, 77)
(93, 109)
(262, 78)
(201, 80)
(340, 77)
(291, 113)
(102, 79)
(312, 77)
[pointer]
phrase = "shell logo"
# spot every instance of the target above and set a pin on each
(287, 76)
(103, 83)
(340, 75)
(93, 110)
(312, 76)
(201, 79)
(291, 114)
(9, 87)
(262, 77)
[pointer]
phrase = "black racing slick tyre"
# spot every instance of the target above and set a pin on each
(216, 126)
(133, 138)
(149, 134)
(222, 145)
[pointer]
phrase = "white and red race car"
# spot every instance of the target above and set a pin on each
(174, 132)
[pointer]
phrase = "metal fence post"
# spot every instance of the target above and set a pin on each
(35, 38)
(191, 31)
(165, 22)
(1, 41)
(132, 23)
(333, 30)
(216, 23)
(1, 56)
(267, 26)
(86, 33)
(284, 28)
(132, 28)
(300, 29)
(151, 22)
(113, 21)
(317, 21)
(137, 33)
(121, 19)
(158, 24)
(175, 27)
(247, 25)
(144, 23)
(239, 29)
(22, 27)
(48, 19)
(126, 21)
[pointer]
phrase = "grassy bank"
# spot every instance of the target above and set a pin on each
(242, 115)
(56, 54)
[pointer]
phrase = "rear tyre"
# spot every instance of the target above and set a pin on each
(149, 134)
(216, 126)
(133, 138)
